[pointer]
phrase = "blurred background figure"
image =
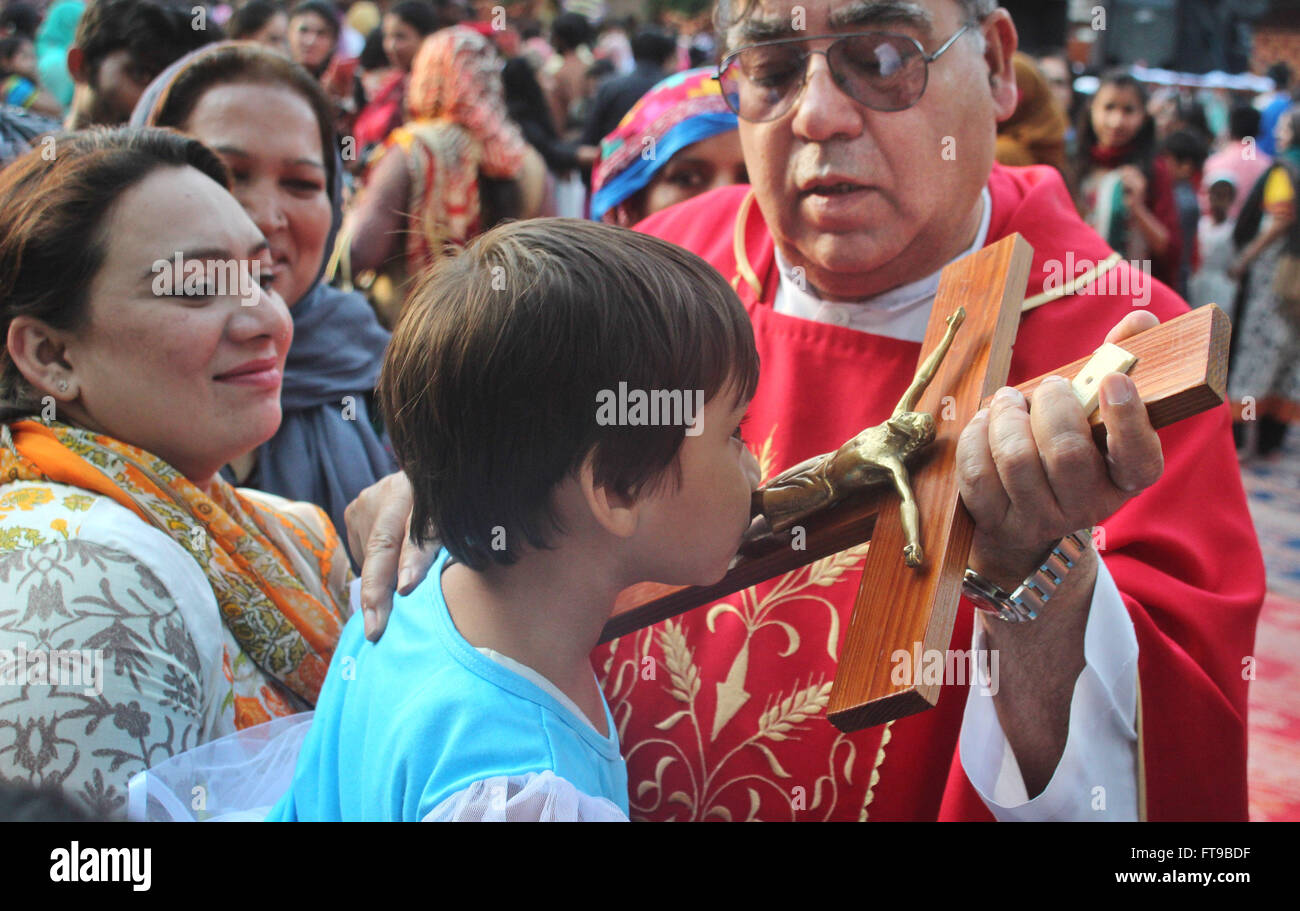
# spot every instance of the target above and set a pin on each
(1265, 369)
(20, 130)
(613, 43)
(652, 48)
(313, 35)
(677, 142)
(527, 107)
(405, 26)
(564, 76)
(52, 42)
(20, 18)
(1123, 189)
(19, 82)
(1035, 131)
(263, 21)
(1212, 283)
(1184, 152)
(120, 46)
(1240, 156)
(1273, 105)
(1056, 69)
(314, 32)
(455, 168)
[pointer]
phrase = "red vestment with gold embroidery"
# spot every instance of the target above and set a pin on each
(726, 720)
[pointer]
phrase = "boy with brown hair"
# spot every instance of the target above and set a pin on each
(480, 701)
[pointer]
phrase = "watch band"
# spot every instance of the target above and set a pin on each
(1033, 594)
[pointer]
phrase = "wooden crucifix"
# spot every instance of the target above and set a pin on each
(1181, 370)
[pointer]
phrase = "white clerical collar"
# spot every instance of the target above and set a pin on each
(900, 313)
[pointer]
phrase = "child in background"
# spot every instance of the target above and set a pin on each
(505, 389)
(18, 79)
(1122, 187)
(1212, 284)
(1186, 153)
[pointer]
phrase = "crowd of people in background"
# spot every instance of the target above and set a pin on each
(364, 140)
(1150, 170)
(1198, 183)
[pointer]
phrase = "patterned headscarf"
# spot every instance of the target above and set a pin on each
(456, 78)
(280, 579)
(683, 109)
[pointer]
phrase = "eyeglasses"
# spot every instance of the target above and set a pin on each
(885, 72)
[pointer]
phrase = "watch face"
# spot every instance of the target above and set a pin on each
(982, 593)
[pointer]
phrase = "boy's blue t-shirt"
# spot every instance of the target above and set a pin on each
(405, 723)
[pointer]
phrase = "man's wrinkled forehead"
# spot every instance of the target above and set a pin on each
(768, 20)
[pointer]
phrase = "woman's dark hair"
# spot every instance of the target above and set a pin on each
(1186, 146)
(486, 421)
(252, 17)
(246, 63)
(418, 14)
(1189, 114)
(322, 8)
(1243, 121)
(601, 68)
(570, 31)
(52, 236)
(525, 99)
(9, 46)
(1143, 145)
(155, 33)
(372, 53)
(20, 19)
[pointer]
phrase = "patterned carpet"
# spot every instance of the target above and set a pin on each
(1273, 487)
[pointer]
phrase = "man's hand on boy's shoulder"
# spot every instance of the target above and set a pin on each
(379, 537)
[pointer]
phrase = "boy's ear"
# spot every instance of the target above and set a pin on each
(618, 514)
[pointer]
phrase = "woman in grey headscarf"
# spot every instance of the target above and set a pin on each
(270, 123)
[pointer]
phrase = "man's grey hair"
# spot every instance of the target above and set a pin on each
(730, 13)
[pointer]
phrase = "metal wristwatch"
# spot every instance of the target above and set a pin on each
(1033, 594)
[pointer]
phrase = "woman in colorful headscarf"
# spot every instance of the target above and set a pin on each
(146, 606)
(437, 165)
(270, 123)
(678, 141)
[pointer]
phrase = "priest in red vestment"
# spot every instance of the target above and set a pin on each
(871, 161)
(861, 204)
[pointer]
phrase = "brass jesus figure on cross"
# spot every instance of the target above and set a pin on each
(875, 456)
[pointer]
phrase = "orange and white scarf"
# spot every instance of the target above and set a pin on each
(280, 576)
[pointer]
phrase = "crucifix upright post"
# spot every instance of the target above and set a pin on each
(899, 606)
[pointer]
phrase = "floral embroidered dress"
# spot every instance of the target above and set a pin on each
(141, 616)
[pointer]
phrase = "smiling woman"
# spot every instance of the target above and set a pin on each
(270, 123)
(209, 609)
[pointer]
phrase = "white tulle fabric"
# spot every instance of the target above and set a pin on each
(237, 778)
(535, 797)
